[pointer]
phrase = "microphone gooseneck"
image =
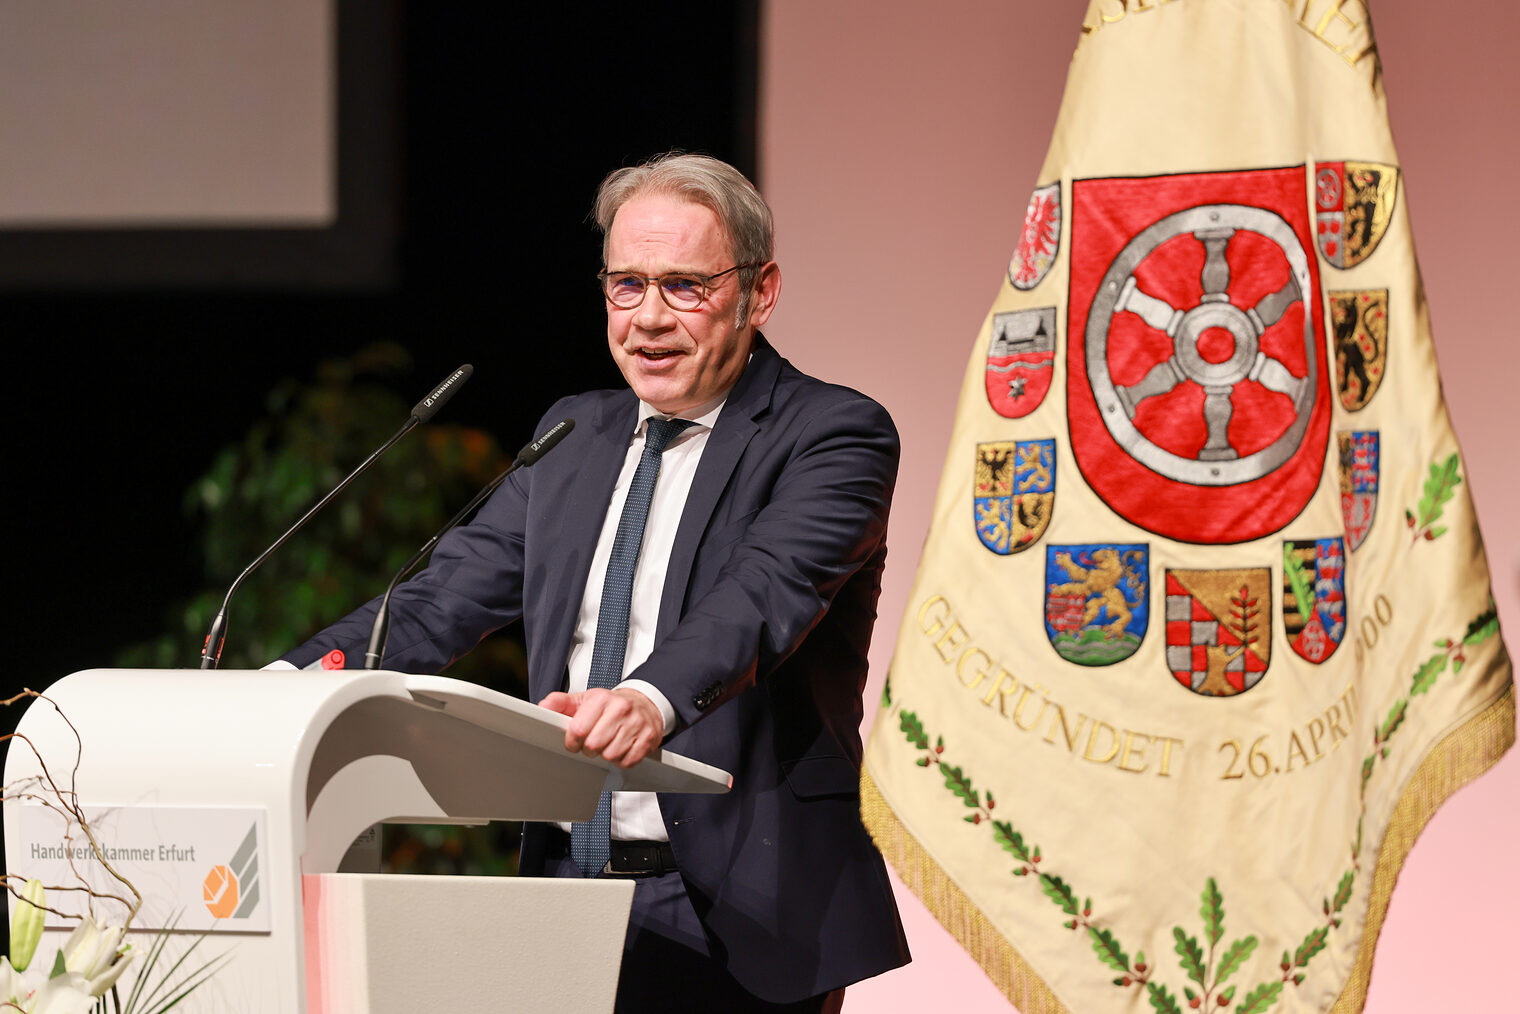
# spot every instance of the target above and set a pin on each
(525, 457)
(211, 651)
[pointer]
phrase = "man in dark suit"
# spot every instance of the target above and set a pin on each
(698, 564)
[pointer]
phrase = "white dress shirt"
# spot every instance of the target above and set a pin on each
(636, 815)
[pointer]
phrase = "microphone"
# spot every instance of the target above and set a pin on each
(525, 457)
(211, 651)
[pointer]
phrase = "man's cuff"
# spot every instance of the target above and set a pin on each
(649, 690)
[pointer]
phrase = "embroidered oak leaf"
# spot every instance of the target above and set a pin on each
(1483, 627)
(1010, 840)
(1161, 1000)
(1425, 677)
(1108, 949)
(1440, 486)
(957, 782)
(1212, 911)
(1236, 956)
(914, 730)
(1261, 998)
(1343, 892)
(1057, 891)
(1191, 954)
(1395, 719)
(1312, 945)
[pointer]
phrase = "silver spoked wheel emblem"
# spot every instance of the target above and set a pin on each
(1218, 463)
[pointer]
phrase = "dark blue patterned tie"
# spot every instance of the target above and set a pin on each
(589, 839)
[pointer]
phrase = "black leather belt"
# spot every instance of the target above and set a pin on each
(628, 858)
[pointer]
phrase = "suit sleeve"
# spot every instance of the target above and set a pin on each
(825, 518)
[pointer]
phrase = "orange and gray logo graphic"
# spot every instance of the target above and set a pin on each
(231, 890)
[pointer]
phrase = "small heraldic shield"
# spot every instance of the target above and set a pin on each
(1039, 239)
(1013, 493)
(1359, 482)
(1314, 596)
(1020, 360)
(1096, 601)
(1218, 628)
(1198, 397)
(1353, 203)
(1360, 321)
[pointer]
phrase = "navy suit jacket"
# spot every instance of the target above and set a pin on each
(760, 646)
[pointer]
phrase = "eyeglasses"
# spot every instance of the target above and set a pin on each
(681, 291)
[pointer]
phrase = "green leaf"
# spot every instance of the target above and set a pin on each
(1212, 912)
(1343, 892)
(58, 965)
(1298, 580)
(886, 692)
(1483, 627)
(1236, 956)
(1161, 1000)
(1227, 996)
(1312, 945)
(1425, 678)
(1057, 891)
(1108, 950)
(914, 730)
(1191, 954)
(1439, 488)
(1367, 766)
(1395, 719)
(1009, 840)
(1261, 998)
(957, 782)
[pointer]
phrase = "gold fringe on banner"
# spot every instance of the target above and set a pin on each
(1466, 752)
(956, 912)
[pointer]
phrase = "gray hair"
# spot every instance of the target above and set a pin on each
(701, 179)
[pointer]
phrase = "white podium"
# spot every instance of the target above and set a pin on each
(230, 798)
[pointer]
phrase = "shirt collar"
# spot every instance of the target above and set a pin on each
(702, 415)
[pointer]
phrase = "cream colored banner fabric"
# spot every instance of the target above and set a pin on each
(1202, 634)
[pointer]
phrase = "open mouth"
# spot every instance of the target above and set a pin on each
(656, 355)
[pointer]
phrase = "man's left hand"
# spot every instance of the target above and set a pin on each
(621, 725)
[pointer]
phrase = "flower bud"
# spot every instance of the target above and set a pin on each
(26, 925)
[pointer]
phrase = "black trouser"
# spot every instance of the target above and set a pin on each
(667, 965)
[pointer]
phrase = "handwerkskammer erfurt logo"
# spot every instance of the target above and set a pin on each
(231, 889)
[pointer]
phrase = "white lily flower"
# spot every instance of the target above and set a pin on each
(12, 986)
(92, 951)
(66, 994)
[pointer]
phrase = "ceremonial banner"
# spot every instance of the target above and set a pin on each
(1202, 632)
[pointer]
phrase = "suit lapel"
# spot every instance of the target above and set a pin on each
(736, 426)
(584, 503)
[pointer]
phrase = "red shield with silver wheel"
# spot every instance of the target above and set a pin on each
(1197, 392)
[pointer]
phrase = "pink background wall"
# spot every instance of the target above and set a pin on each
(899, 143)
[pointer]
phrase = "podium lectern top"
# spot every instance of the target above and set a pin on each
(316, 758)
